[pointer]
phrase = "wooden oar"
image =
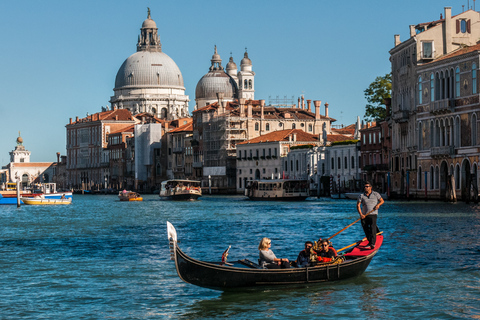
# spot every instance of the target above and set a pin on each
(351, 224)
(356, 243)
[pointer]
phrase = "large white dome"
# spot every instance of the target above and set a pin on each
(149, 69)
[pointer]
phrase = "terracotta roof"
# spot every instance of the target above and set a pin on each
(338, 137)
(283, 135)
(119, 114)
(185, 128)
(459, 52)
(348, 130)
(127, 129)
(148, 117)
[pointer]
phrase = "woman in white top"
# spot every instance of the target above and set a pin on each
(267, 257)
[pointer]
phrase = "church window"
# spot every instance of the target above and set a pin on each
(245, 84)
(249, 84)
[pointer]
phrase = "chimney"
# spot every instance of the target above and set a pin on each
(76, 119)
(262, 106)
(299, 103)
(397, 40)
(303, 102)
(309, 105)
(70, 120)
(116, 117)
(249, 109)
(412, 31)
(294, 137)
(448, 30)
(326, 109)
(317, 104)
(241, 101)
(58, 157)
(387, 102)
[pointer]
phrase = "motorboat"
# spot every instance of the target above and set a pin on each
(129, 196)
(278, 190)
(42, 200)
(178, 189)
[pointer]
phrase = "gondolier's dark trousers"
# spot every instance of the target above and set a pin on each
(369, 225)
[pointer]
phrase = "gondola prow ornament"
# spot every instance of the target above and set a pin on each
(224, 257)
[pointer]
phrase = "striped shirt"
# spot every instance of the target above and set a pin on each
(369, 202)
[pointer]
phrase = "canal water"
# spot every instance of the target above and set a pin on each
(100, 258)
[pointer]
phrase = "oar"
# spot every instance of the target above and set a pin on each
(351, 224)
(356, 243)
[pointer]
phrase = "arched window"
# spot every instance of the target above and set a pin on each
(474, 78)
(420, 136)
(245, 84)
(339, 162)
(296, 163)
(310, 128)
(353, 162)
(267, 127)
(249, 84)
(291, 165)
(346, 163)
(432, 87)
(431, 178)
(256, 126)
(419, 90)
(457, 82)
(293, 126)
(419, 178)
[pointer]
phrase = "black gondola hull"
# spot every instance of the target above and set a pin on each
(221, 277)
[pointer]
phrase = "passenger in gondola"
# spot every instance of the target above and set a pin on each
(267, 257)
(303, 259)
(326, 253)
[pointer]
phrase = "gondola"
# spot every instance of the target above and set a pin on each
(247, 274)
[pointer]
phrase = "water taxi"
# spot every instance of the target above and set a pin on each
(278, 190)
(42, 200)
(178, 189)
(129, 196)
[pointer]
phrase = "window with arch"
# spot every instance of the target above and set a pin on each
(457, 82)
(431, 178)
(353, 162)
(296, 164)
(420, 136)
(291, 165)
(267, 127)
(245, 84)
(345, 163)
(419, 178)
(419, 90)
(432, 87)
(293, 126)
(257, 126)
(310, 128)
(474, 78)
(339, 163)
(250, 84)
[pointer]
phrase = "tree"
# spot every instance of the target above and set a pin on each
(376, 93)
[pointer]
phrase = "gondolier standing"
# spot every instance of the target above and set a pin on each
(369, 202)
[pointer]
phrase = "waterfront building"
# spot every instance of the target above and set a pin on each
(375, 148)
(265, 157)
(21, 169)
(220, 126)
(149, 80)
(116, 148)
(434, 107)
(180, 151)
(88, 163)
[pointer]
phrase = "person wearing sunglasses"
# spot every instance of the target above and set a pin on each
(326, 253)
(267, 257)
(367, 206)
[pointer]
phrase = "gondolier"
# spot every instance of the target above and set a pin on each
(367, 207)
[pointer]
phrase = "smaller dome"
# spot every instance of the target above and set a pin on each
(231, 65)
(246, 60)
(213, 82)
(149, 24)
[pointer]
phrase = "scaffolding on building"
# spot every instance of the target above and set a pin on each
(281, 102)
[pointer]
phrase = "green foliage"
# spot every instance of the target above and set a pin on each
(343, 143)
(376, 93)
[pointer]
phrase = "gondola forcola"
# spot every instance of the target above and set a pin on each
(247, 274)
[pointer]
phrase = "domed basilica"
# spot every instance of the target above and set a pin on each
(149, 80)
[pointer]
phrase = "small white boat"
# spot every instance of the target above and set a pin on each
(278, 190)
(178, 189)
(41, 200)
(355, 195)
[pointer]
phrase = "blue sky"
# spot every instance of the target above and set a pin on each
(59, 59)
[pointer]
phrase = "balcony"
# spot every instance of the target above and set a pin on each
(178, 149)
(441, 106)
(178, 169)
(401, 116)
(442, 152)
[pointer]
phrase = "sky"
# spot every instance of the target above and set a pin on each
(59, 59)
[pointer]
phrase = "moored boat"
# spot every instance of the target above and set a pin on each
(247, 274)
(278, 190)
(178, 189)
(355, 195)
(41, 200)
(129, 196)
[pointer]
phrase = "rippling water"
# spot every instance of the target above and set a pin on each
(104, 259)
